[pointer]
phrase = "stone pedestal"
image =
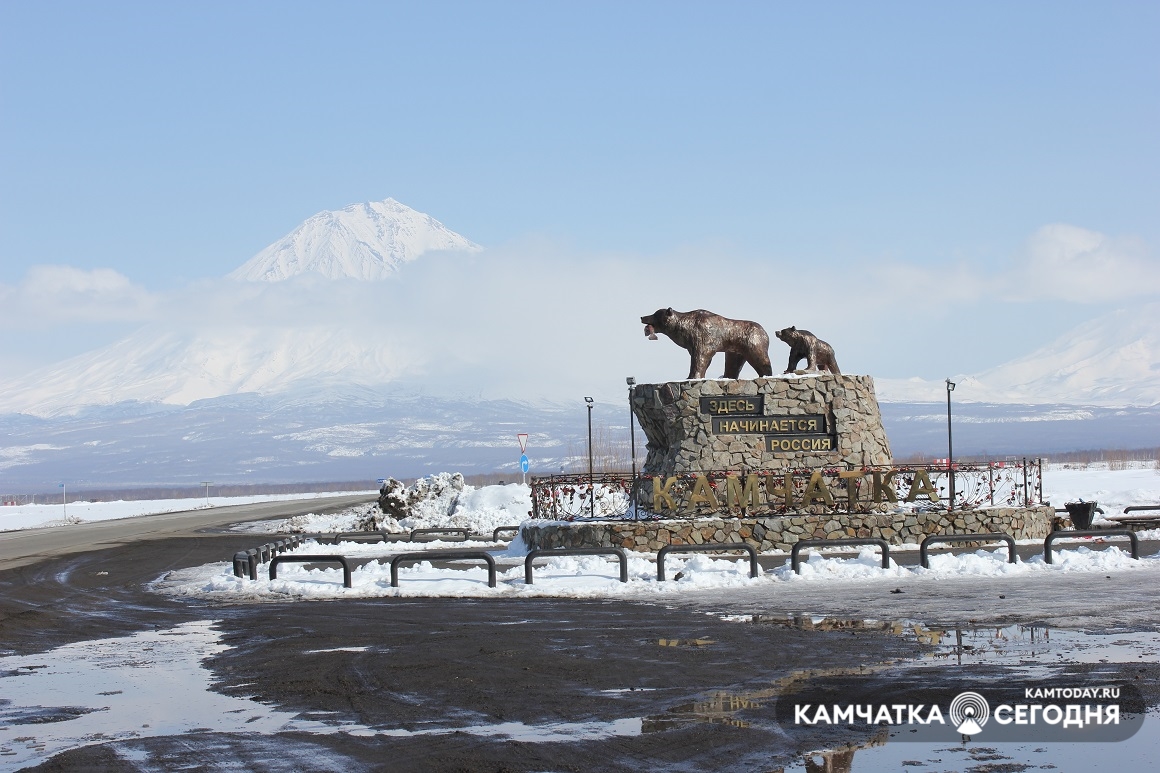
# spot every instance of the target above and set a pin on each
(782, 532)
(760, 424)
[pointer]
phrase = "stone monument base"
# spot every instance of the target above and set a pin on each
(781, 532)
(815, 420)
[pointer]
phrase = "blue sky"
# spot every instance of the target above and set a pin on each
(170, 142)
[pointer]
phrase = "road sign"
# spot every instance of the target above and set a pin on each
(523, 438)
(524, 463)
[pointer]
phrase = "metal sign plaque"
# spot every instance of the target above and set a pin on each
(733, 406)
(814, 424)
(789, 444)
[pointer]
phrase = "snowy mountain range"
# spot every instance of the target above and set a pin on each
(1111, 361)
(362, 241)
(177, 364)
(179, 367)
(273, 383)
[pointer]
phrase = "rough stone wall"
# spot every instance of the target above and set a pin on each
(680, 437)
(781, 532)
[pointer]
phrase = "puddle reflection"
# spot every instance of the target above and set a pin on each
(999, 645)
(1028, 647)
(717, 708)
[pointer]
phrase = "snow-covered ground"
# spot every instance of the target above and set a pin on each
(36, 516)
(598, 577)
(1113, 489)
(483, 509)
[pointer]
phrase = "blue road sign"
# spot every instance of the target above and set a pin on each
(524, 463)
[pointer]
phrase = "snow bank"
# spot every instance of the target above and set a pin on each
(436, 502)
(55, 514)
(598, 577)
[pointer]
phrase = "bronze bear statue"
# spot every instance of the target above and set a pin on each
(818, 354)
(704, 333)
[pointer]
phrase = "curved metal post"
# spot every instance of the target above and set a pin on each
(495, 532)
(360, 536)
(795, 559)
(445, 555)
(754, 567)
(534, 554)
(464, 533)
(311, 560)
(924, 546)
(1062, 534)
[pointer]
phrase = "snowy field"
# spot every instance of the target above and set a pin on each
(1113, 489)
(13, 517)
(481, 510)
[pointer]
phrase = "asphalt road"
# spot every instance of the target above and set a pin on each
(514, 685)
(28, 546)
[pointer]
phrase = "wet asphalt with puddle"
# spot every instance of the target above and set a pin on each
(97, 672)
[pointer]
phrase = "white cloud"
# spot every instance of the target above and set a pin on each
(537, 320)
(52, 296)
(1069, 263)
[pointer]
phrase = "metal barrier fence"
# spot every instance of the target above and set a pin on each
(924, 547)
(312, 560)
(495, 532)
(1063, 534)
(795, 558)
(369, 536)
(754, 567)
(547, 553)
(386, 536)
(442, 555)
(246, 561)
(463, 533)
(791, 490)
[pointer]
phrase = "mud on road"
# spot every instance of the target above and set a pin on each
(458, 685)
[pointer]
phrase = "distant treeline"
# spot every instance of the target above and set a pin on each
(1115, 458)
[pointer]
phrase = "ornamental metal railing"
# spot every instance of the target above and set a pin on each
(789, 490)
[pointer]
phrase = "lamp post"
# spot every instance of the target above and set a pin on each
(632, 442)
(64, 500)
(207, 484)
(950, 445)
(591, 489)
(631, 426)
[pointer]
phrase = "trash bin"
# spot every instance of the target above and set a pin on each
(1081, 513)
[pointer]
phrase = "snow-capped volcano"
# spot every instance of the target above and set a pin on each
(264, 339)
(1110, 361)
(362, 241)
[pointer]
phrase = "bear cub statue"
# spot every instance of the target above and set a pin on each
(704, 333)
(803, 344)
